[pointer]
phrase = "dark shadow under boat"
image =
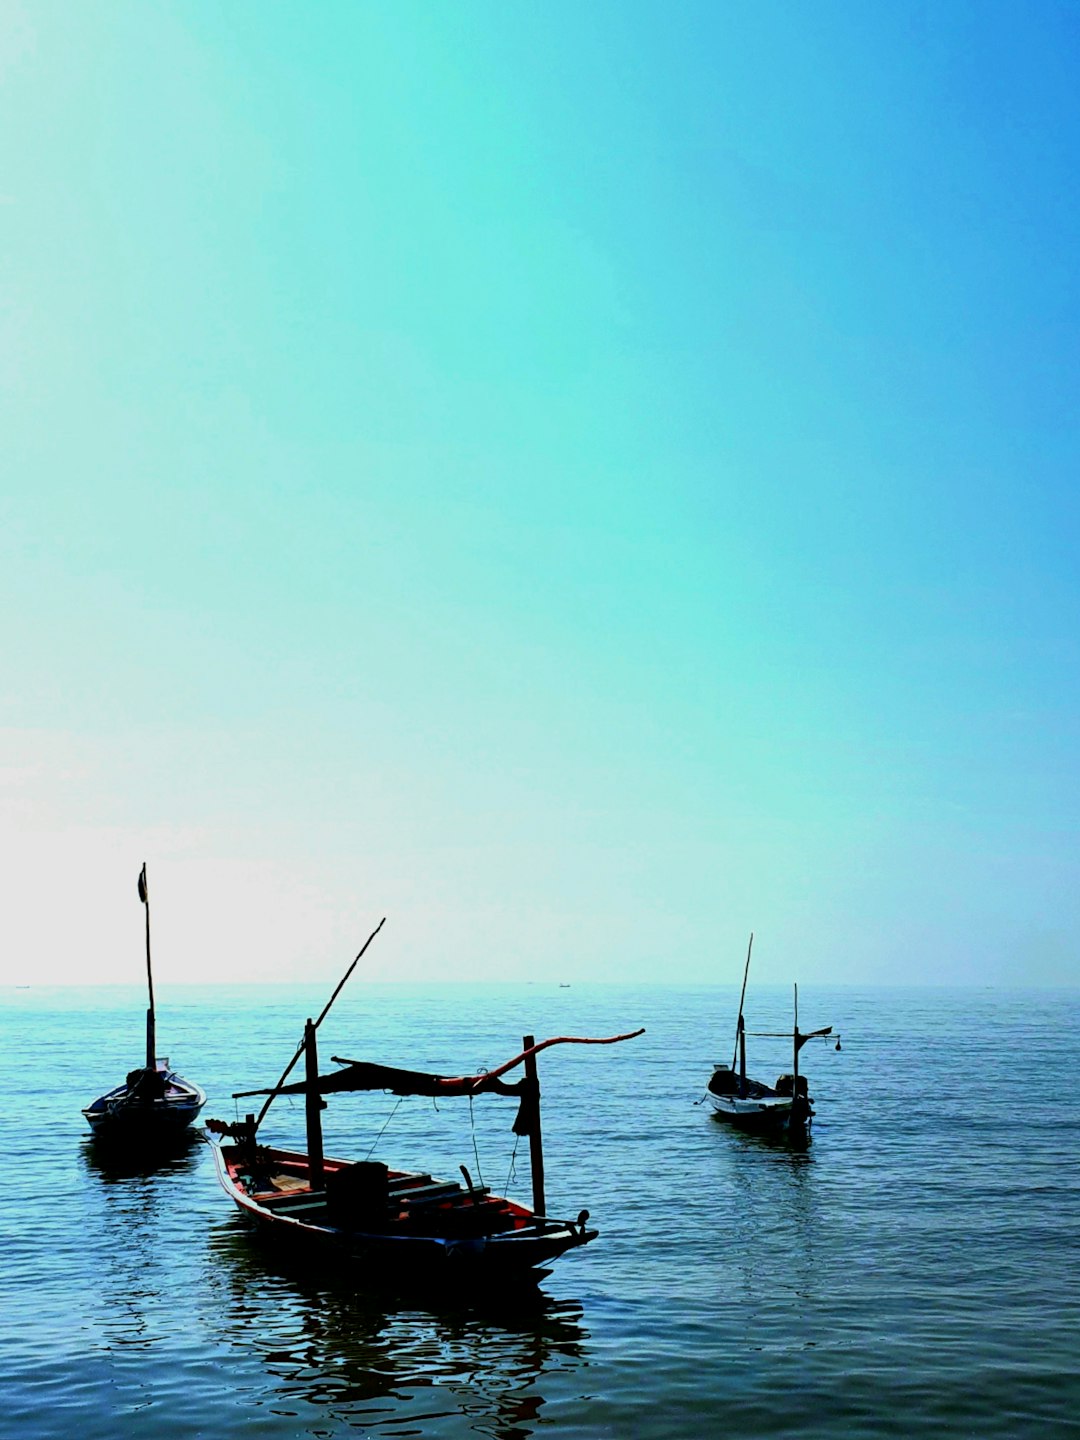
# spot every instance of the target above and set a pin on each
(792, 1139)
(113, 1159)
(378, 1359)
(318, 1269)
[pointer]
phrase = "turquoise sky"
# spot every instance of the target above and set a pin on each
(584, 481)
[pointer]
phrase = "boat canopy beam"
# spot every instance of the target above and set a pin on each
(366, 1075)
(798, 1036)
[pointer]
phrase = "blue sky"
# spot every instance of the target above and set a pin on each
(583, 481)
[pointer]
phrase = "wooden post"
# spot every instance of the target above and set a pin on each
(313, 1103)
(797, 1046)
(742, 1057)
(800, 1109)
(536, 1143)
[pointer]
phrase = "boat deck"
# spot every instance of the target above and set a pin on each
(416, 1204)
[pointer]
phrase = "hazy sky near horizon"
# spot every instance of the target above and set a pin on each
(582, 481)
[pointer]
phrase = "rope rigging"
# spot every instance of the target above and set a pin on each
(472, 1131)
(475, 1151)
(385, 1127)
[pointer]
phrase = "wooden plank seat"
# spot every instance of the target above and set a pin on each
(409, 1180)
(289, 1201)
(424, 1194)
(443, 1199)
(448, 1194)
(460, 1218)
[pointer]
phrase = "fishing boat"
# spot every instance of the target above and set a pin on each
(154, 1104)
(785, 1108)
(397, 1225)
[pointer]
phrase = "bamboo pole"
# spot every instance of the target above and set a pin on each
(301, 1047)
(313, 1105)
(151, 1035)
(742, 997)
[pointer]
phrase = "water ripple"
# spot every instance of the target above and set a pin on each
(914, 1272)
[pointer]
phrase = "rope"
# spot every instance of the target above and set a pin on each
(382, 1132)
(511, 1174)
(475, 1151)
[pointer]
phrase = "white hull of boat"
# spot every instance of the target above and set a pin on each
(769, 1113)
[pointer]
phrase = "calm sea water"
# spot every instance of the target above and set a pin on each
(915, 1272)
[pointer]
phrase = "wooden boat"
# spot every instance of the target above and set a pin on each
(785, 1108)
(397, 1225)
(154, 1104)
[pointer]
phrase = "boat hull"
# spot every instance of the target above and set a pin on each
(120, 1115)
(433, 1232)
(758, 1108)
(764, 1116)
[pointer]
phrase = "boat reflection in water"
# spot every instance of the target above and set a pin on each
(372, 1360)
(137, 1239)
(777, 1201)
(112, 1161)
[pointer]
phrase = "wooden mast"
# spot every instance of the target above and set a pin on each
(797, 1047)
(301, 1047)
(313, 1105)
(742, 997)
(536, 1143)
(151, 1038)
(740, 1025)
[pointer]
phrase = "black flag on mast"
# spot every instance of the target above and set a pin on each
(142, 884)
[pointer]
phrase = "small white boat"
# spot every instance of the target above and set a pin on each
(154, 1104)
(751, 1105)
(781, 1109)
